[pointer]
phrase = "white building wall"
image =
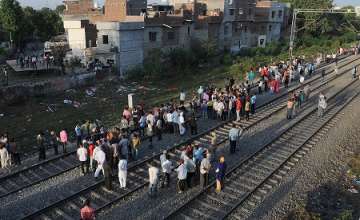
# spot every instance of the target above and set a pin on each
(125, 42)
(76, 37)
(131, 47)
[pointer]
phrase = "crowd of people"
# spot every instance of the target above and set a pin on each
(108, 151)
(34, 61)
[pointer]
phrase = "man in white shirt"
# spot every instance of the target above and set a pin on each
(122, 171)
(175, 121)
(153, 179)
(169, 122)
(82, 155)
(234, 135)
(100, 157)
(182, 97)
(166, 166)
(182, 175)
(204, 171)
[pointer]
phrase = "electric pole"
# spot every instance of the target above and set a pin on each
(315, 11)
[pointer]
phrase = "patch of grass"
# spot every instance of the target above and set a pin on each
(355, 165)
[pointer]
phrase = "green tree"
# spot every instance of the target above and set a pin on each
(44, 23)
(12, 19)
(60, 9)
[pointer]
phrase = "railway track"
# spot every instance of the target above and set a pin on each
(248, 183)
(67, 208)
(50, 168)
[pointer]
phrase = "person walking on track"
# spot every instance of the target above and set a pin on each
(322, 105)
(122, 171)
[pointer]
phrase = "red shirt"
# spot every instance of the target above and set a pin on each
(91, 150)
(238, 104)
(87, 213)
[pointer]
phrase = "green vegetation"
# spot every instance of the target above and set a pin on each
(26, 23)
(355, 166)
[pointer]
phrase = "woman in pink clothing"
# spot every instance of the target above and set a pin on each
(64, 139)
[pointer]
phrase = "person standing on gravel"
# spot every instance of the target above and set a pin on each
(353, 72)
(87, 212)
(100, 157)
(290, 106)
(234, 135)
(4, 156)
(78, 134)
(182, 97)
(54, 142)
(82, 155)
(220, 174)
(122, 171)
(204, 171)
(41, 144)
(166, 166)
(135, 144)
(321, 105)
(153, 179)
(191, 169)
(182, 175)
(64, 139)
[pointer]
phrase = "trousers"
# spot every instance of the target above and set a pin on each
(122, 178)
(98, 169)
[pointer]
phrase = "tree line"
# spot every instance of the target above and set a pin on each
(26, 24)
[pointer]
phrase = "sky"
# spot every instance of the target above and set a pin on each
(53, 3)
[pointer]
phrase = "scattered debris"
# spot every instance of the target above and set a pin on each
(73, 103)
(122, 89)
(66, 101)
(76, 104)
(353, 190)
(70, 90)
(91, 91)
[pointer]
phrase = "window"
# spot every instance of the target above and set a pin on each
(280, 14)
(250, 12)
(241, 12)
(105, 39)
(270, 28)
(188, 30)
(231, 11)
(273, 14)
(245, 29)
(152, 36)
(171, 35)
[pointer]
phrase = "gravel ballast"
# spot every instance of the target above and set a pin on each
(142, 207)
(316, 182)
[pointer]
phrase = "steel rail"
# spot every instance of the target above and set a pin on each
(96, 185)
(177, 211)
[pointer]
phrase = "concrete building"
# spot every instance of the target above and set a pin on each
(121, 43)
(124, 32)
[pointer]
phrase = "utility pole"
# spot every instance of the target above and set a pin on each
(315, 11)
(11, 41)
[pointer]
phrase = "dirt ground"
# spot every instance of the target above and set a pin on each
(23, 121)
